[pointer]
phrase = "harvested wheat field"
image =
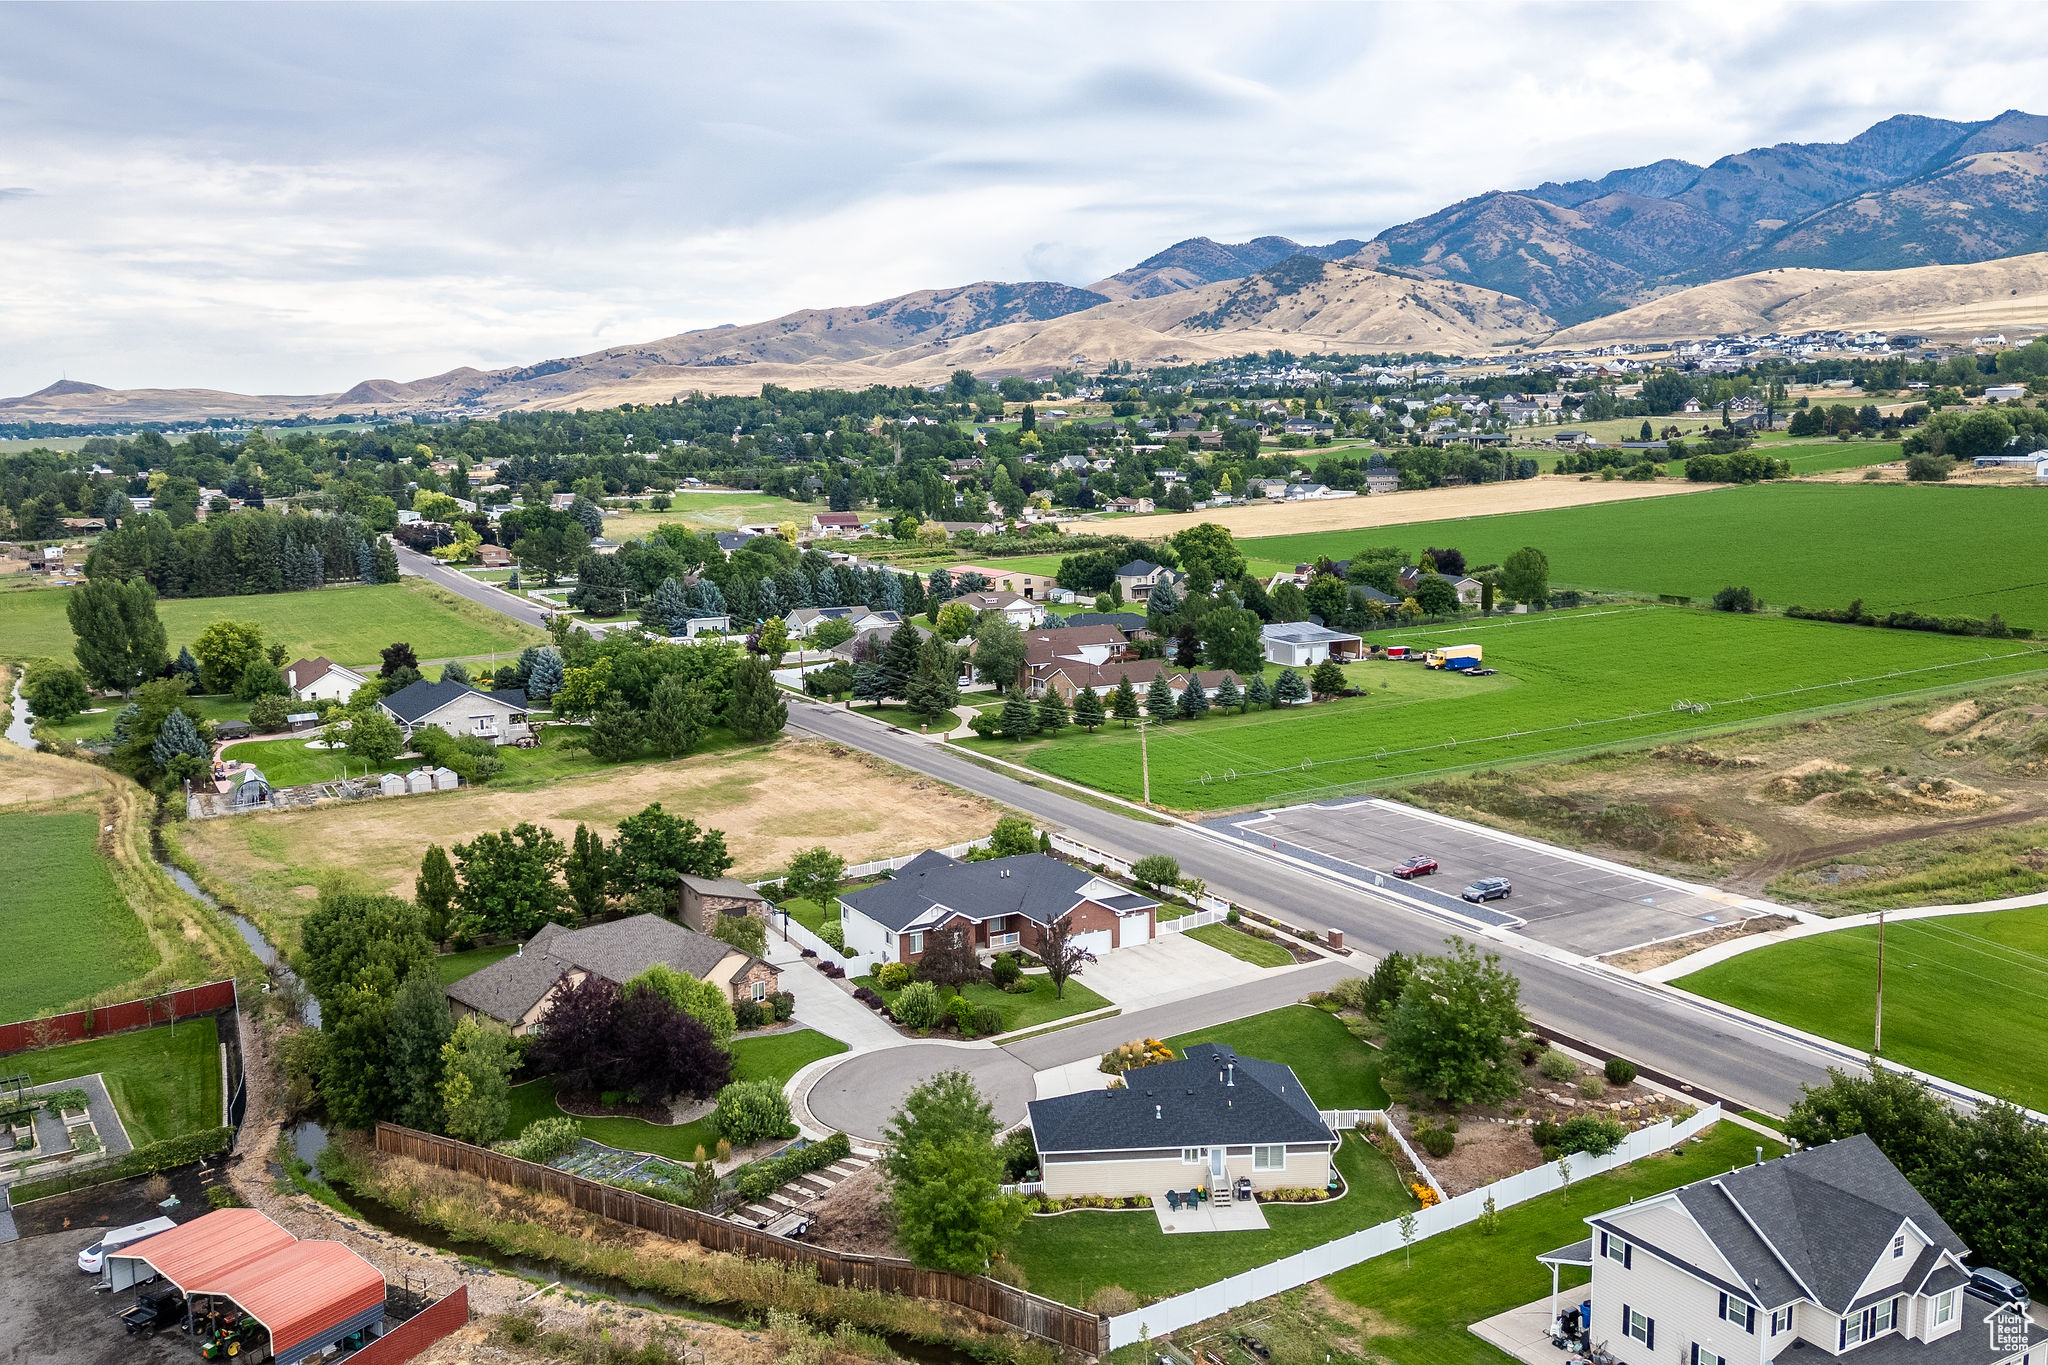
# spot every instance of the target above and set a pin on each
(1398, 509)
(771, 802)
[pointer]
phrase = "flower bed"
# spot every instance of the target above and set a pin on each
(1041, 1206)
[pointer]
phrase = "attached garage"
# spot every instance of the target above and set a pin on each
(306, 1296)
(1096, 941)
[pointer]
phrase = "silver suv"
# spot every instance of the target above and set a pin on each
(1488, 889)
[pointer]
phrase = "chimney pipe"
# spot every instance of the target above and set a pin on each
(1759, 1156)
(1233, 1074)
(1158, 1112)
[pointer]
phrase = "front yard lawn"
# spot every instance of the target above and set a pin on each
(1339, 1071)
(1410, 1313)
(452, 967)
(1070, 1256)
(163, 1081)
(1023, 1010)
(1239, 944)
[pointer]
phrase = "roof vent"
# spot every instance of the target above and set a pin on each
(1233, 1078)
(1158, 1111)
(1759, 1156)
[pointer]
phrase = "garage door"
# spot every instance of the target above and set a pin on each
(1095, 941)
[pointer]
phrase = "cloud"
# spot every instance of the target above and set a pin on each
(358, 191)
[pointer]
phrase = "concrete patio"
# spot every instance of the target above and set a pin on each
(1243, 1215)
(1524, 1332)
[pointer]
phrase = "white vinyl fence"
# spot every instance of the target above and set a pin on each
(1305, 1267)
(1193, 919)
(1341, 1119)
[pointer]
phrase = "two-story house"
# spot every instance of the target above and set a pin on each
(1824, 1254)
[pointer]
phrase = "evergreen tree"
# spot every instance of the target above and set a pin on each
(433, 891)
(1187, 647)
(935, 688)
(825, 591)
(767, 600)
(186, 666)
(1194, 702)
(941, 589)
(1328, 678)
(1227, 695)
(1087, 709)
(667, 611)
(900, 659)
(178, 736)
(585, 871)
(544, 679)
(706, 599)
(1159, 698)
(419, 1027)
(870, 684)
(615, 731)
(1289, 689)
(1052, 713)
(1256, 693)
(366, 563)
(1018, 721)
(755, 710)
(1124, 702)
(387, 561)
(678, 714)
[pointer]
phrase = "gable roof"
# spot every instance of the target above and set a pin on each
(720, 886)
(310, 671)
(1137, 568)
(421, 699)
(1303, 633)
(931, 887)
(1212, 1097)
(620, 950)
(1108, 677)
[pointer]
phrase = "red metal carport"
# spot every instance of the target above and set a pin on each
(307, 1295)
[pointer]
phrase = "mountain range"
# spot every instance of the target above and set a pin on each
(1916, 223)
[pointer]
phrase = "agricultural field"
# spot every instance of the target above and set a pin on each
(712, 512)
(1962, 995)
(1576, 680)
(1817, 545)
(70, 932)
(771, 800)
(347, 624)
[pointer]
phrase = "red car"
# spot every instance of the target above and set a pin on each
(1417, 866)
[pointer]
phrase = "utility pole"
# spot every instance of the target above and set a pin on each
(1877, 1039)
(1144, 762)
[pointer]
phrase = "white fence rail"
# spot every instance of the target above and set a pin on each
(1341, 1119)
(1193, 919)
(1074, 848)
(1305, 1267)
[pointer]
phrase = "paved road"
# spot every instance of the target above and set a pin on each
(520, 609)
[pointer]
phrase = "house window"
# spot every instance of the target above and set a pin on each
(1193, 1156)
(1269, 1158)
(1615, 1250)
(1898, 1246)
(1739, 1313)
(1638, 1327)
(913, 944)
(998, 923)
(1945, 1308)
(1884, 1317)
(1702, 1356)
(1852, 1330)
(760, 990)
(1781, 1321)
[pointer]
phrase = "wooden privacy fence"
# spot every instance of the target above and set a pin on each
(168, 1008)
(1029, 1313)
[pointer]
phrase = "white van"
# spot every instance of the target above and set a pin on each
(93, 1259)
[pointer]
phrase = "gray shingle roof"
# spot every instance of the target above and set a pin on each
(618, 951)
(1303, 633)
(719, 886)
(1137, 568)
(423, 698)
(1211, 1098)
(1040, 888)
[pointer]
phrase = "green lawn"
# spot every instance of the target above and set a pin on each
(289, 763)
(1411, 1317)
(69, 932)
(346, 624)
(163, 1081)
(1962, 996)
(1070, 1256)
(1819, 545)
(1567, 681)
(452, 967)
(1023, 1010)
(775, 1057)
(90, 728)
(1339, 1071)
(1242, 945)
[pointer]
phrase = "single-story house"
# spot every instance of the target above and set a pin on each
(1303, 644)
(322, 680)
(1004, 903)
(494, 556)
(1129, 622)
(461, 710)
(706, 898)
(1020, 611)
(518, 991)
(1136, 506)
(1076, 644)
(835, 524)
(804, 620)
(1469, 589)
(1210, 1119)
(1068, 678)
(980, 528)
(728, 541)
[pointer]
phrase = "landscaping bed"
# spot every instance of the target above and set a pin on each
(1020, 1010)
(1250, 943)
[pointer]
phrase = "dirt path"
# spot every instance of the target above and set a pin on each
(1755, 877)
(1396, 509)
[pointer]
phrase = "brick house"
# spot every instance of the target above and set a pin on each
(1004, 903)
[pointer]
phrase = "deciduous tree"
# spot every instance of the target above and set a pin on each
(1062, 954)
(508, 882)
(119, 640)
(1452, 1034)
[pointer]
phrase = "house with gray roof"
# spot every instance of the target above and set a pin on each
(461, 710)
(518, 991)
(1000, 903)
(1212, 1119)
(1828, 1251)
(1304, 644)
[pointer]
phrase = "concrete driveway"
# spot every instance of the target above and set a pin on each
(1170, 967)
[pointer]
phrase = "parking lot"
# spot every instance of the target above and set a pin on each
(49, 1314)
(1580, 904)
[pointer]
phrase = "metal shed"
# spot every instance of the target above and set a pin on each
(391, 784)
(420, 780)
(445, 780)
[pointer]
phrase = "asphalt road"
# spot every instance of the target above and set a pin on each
(521, 609)
(1671, 1034)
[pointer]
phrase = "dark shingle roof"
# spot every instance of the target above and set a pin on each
(1125, 621)
(423, 698)
(618, 951)
(1031, 884)
(719, 886)
(1211, 1098)
(1137, 568)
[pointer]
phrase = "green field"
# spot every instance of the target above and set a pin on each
(1576, 680)
(348, 625)
(163, 1081)
(713, 512)
(1964, 995)
(289, 763)
(1817, 545)
(1339, 1071)
(88, 728)
(69, 932)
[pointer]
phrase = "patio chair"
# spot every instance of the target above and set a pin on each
(1194, 1196)
(1173, 1200)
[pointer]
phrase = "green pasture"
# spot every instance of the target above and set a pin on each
(70, 933)
(1574, 680)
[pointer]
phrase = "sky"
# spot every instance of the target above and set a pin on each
(291, 198)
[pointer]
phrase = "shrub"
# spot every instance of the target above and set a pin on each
(1111, 1300)
(894, 976)
(763, 1178)
(222, 1197)
(1736, 599)
(267, 714)
(1157, 870)
(962, 1015)
(1544, 1134)
(783, 1005)
(1020, 1154)
(1349, 993)
(1434, 1140)
(868, 998)
(71, 1098)
(1592, 1088)
(988, 1020)
(1620, 1071)
(1556, 1066)
(919, 1006)
(1589, 1133)
(158, 1156)
(1005, 970)
(834, 934)
(1139, 1052)
(751, 1111)
(748, 1014)
(545, 1139)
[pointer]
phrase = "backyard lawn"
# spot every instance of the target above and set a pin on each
(775, 1058)
(1241, 945)
(289, 763)
(70, 932)
(1411, 1319)
(1952, 984)
(96, 727)
(1567, 681)
(1339, 1071)
(163, 1081)
(1070, 1256)
(452, 967)
(1025, 1009)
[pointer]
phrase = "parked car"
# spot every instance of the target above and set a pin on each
(93, 1259)
(1488, 889)
(1998, 1287)
(1417, 866)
